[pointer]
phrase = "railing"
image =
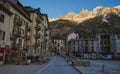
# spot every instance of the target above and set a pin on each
(37, 28)
(37, 36)
(37, 44)
(18, 34)
(28, 28)
(28, 37)
(18, 22)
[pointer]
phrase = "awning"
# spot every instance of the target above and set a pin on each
(1, 50)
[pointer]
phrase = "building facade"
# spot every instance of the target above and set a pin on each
(40, 37)
(20, 33)
(5, 17)
(23, 30)
(59, 46)
(100, 45)
(37, 19)
(45, 36)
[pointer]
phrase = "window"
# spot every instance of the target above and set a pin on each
(2, 35)
(2, 17)
(16, 19)
(21, 31)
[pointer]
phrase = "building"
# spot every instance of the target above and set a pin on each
(99, 45)
(5, 17)
(40, 35)
(59, 45)
(24, 30)
(118, 44)
(19, 32)
(108, 44)
(37, 19)
(45, 36)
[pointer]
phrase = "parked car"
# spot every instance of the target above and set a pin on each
(106, 57)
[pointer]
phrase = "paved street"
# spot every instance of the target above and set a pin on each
(58, 66)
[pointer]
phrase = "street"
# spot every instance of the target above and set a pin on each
(58, 66)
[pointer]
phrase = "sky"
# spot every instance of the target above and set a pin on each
(55, 8)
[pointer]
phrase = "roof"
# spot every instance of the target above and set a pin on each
(20, 8)
(33, 10)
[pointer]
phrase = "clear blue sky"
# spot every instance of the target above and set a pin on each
(55, 8)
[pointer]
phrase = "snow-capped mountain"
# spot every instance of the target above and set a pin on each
(100, 20)
(85, 14)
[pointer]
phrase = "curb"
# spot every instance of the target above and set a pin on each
(75, 68)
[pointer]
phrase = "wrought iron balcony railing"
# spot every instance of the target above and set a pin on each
(17, 22)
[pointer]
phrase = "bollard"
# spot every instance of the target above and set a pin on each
(102, 68)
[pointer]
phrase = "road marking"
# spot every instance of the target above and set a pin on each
(38, 72)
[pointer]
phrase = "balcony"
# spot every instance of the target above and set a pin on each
(16, 46)
(25, 47)
(17, 34)
(28, 37)
(37, 36)
(37, 28)
(17, 22)
(37, 44)
(28, 28)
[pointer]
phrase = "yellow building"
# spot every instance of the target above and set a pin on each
(36, 18)
(45, 36)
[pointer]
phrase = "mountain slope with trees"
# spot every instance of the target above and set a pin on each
(100, 20)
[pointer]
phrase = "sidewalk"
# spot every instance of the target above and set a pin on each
(20, 69)
(101, 67)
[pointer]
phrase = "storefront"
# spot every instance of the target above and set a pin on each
(1, 55)
(4, 53)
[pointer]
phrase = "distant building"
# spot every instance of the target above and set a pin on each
(100, 45)
(59, 45)
(108, 44)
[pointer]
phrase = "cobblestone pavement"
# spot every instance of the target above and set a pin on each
(20, 69)
(58, 66)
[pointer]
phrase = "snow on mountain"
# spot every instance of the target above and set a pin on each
(105, 18)
(85, 14)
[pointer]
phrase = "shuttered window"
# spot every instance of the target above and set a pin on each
(2, 35)
(2, 17)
